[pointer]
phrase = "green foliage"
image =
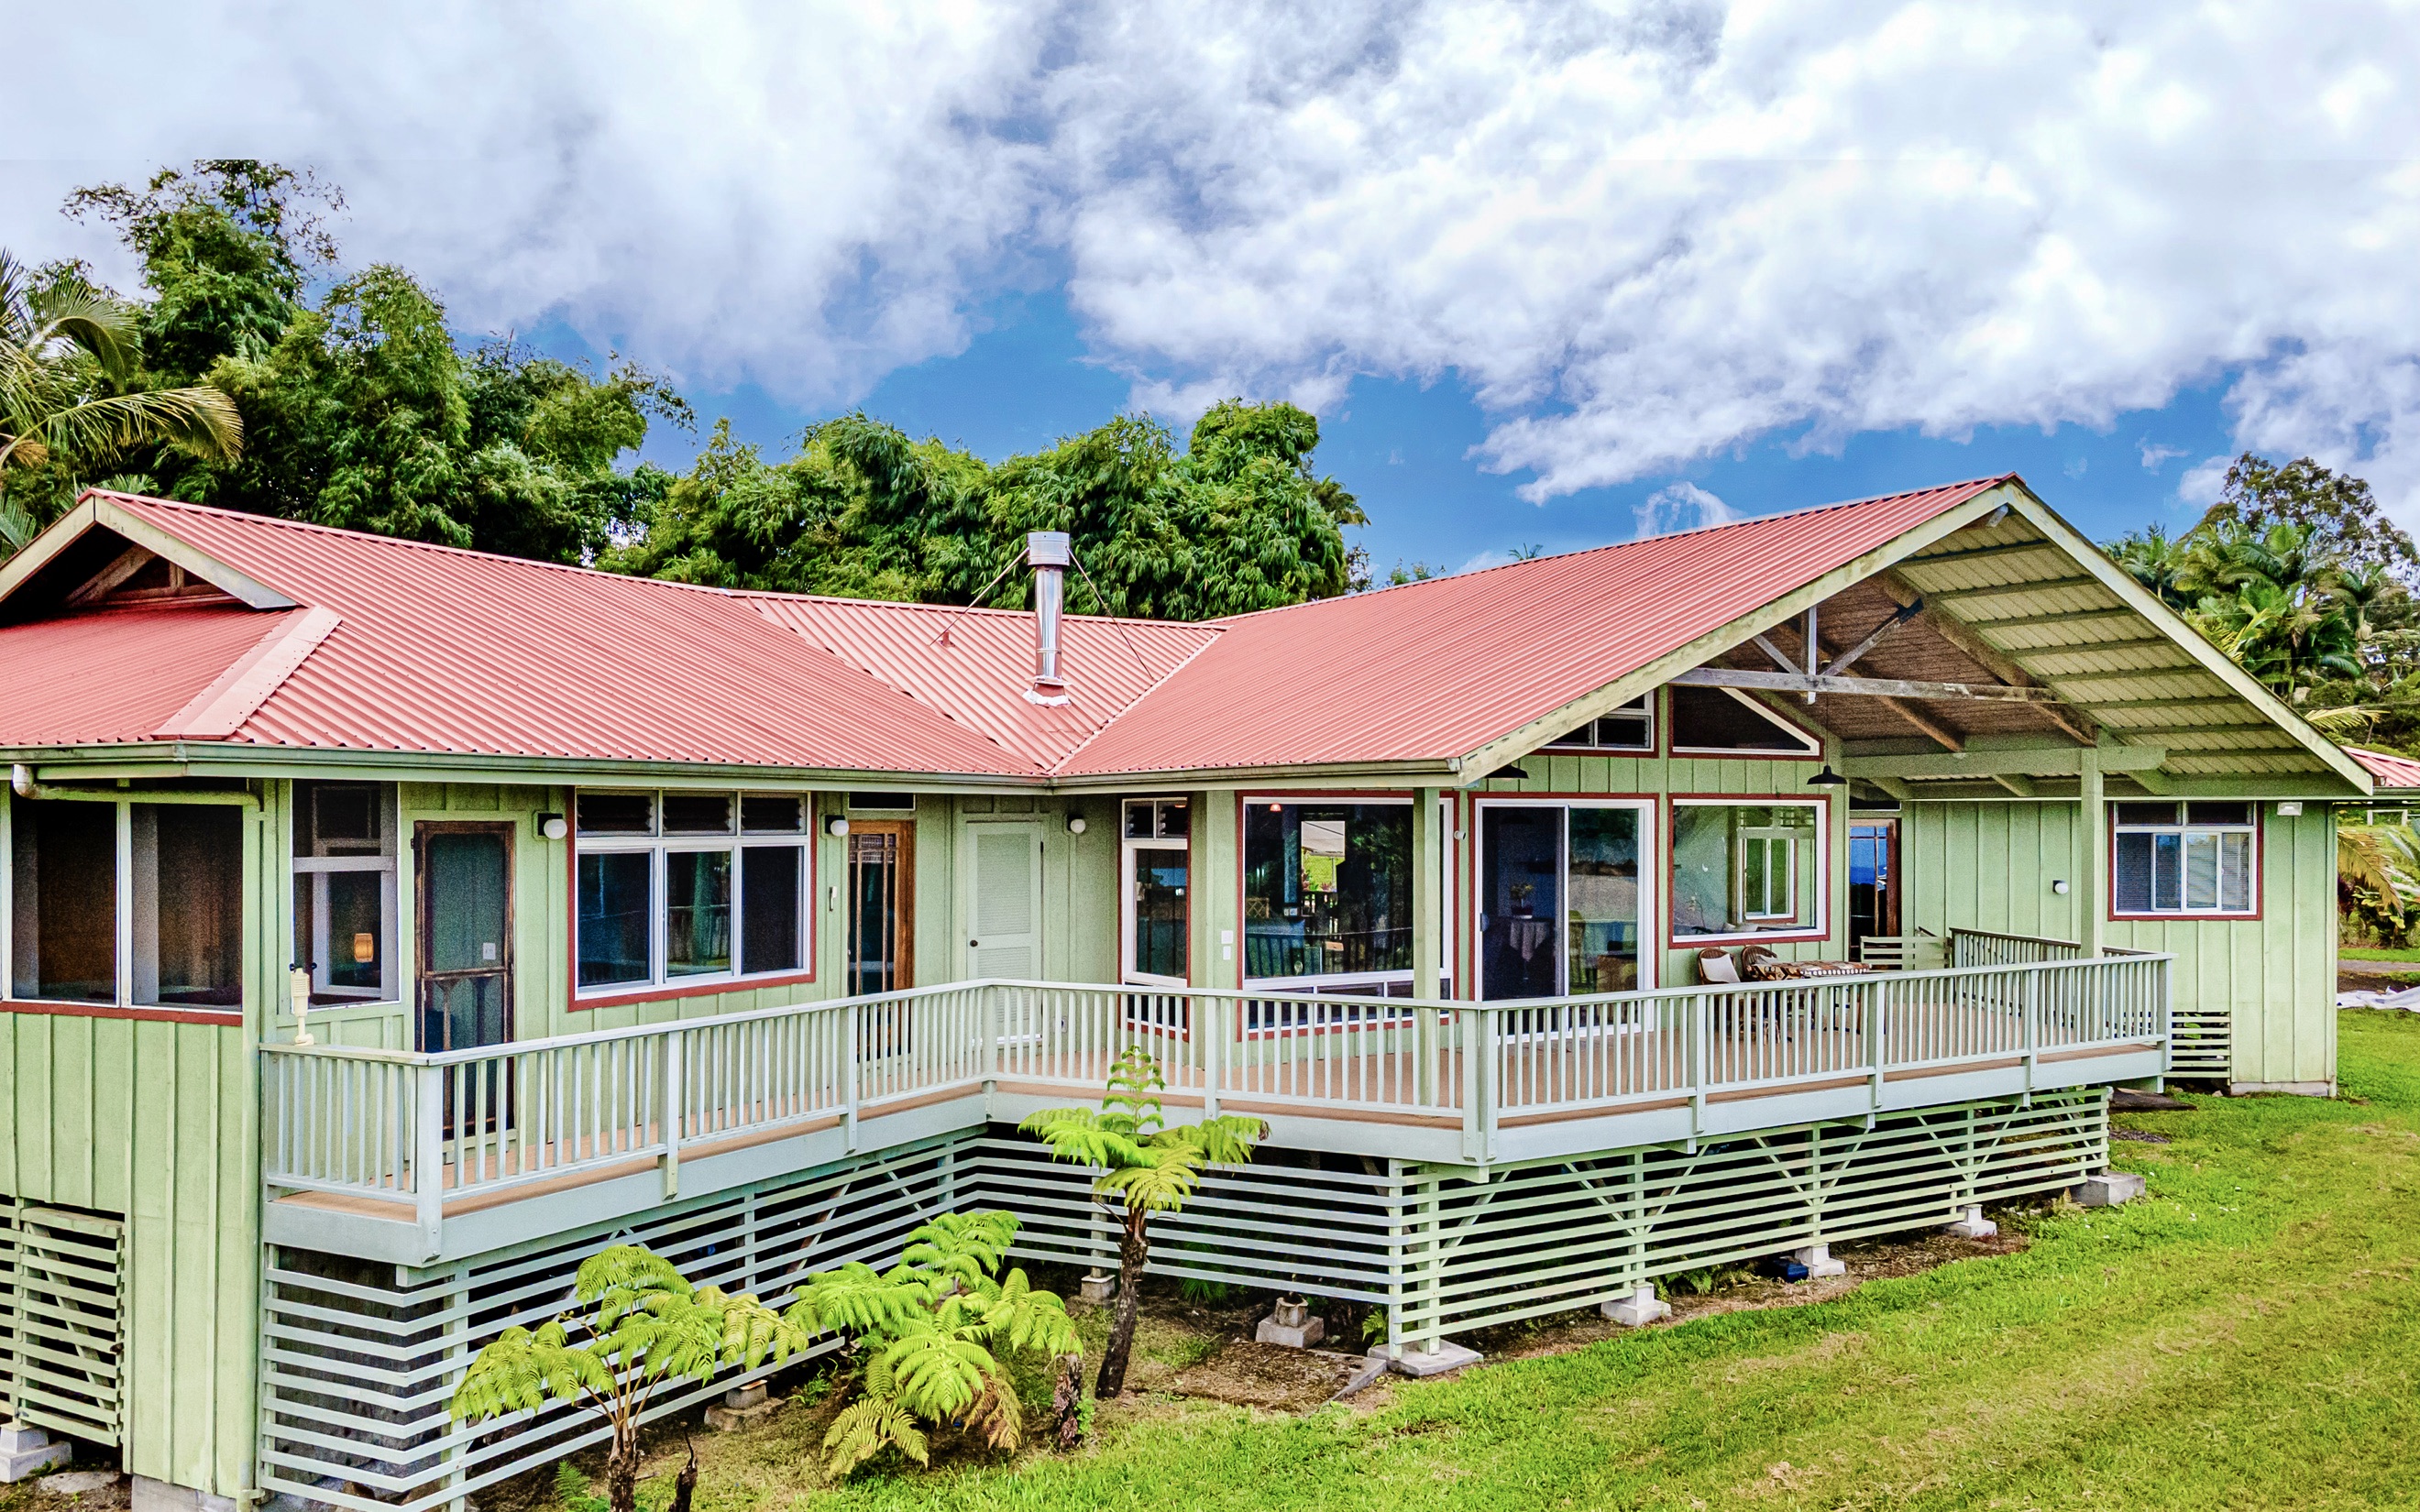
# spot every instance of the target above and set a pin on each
(933, 1332)
(1239, 522)
(644, 1326)
(572, 1493)
(2297, 575)
(359, 406)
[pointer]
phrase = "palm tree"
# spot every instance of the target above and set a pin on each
(64, 347)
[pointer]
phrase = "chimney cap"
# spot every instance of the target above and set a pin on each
(1048, 549)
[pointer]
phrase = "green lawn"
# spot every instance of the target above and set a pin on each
(2364, 953)
(2247, 1337)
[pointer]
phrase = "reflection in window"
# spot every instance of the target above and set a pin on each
(1158, 862)
(1629, 728)
(659, 902)
(1746, 869)
(188, 905)
(344, 889)
(1327, 889)
(2183, 859)
(1716, 718)
(1559, 903)
(64, 932)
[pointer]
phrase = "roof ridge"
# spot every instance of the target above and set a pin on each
(1133, 704)
(964, 609)
(1634, 541)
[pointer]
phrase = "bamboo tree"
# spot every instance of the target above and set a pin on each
(1148, 1167)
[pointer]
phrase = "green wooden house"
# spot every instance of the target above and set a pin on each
(388, 927)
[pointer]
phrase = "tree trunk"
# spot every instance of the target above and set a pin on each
(622, 1469)
(686, 1486)
(1134, 1248)
(1067, 1403)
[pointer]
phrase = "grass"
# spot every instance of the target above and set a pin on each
(2368, 952)
(2247, 1337)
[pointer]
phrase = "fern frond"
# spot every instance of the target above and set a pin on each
(865, 1429)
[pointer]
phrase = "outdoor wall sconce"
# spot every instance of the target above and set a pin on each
(2290, 808)
(1075, 824)
(835, 827)
(553, 825)
(1828, 779)
(2059, 886)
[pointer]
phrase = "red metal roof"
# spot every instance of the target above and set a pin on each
(2390, 770)
(1435, 670)
(445, 651)
(104, 676)
(978, 663)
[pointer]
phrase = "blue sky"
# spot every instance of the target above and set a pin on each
(1406, 449)
(1539, 268)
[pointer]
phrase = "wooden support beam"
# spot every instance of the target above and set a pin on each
(1943, 559)
(2046, 585)
(2023, 761)
(2016, 782)
(1865, 687)
(1855, 654)
(1765, 642)
(2145, 643)
(1971, 643)
(2028, 621)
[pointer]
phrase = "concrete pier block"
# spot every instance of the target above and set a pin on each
(1095, 1289)
(1638, 1309)
(29, 1451)
(1419, 1361)
(2108, 1189)
(1819, 1262)
(159, 1496)
(742, 1407)
(1972, 1224)
(1292, 1325)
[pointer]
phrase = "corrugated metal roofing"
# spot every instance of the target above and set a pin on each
(2400, 772)
(447, 651)
(977, 663)
(1435, 670)
(109, 675)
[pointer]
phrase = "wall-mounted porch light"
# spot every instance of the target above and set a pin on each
(553, 825)
(1828, 779)
(1075, 824)
(836, 827)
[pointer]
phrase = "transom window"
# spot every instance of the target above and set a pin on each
(1724, 720)
(2184, 859)
(1629, 728)
(681, 889)
(345, 890)
(1746, 867)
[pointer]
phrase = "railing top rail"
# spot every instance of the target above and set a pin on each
(1335, 1001)
(1957, 929)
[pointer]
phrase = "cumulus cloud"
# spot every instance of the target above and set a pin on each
(1682, 506)
(1642, 236)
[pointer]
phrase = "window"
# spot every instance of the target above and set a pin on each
(345, 890)
(682, 889)
(135, 904)
(1631, 727)
(1156, 867)
(1327, 892)
(2183, 859)
(1741, 869)
(1560, 897)
(1723, 719)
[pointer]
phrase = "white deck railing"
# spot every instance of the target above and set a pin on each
(424, 1129)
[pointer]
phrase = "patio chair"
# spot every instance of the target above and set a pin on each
(1715, 967)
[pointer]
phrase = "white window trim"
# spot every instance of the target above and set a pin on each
(1788, 838)
(389, 993)
(1821, 926)
(658, 846)
(1445, 901)
(1128, 845)
(2251, 829)
(1651, 872)
(1813, 746)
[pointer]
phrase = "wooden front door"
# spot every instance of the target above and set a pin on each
(465, 985)
(881, 906)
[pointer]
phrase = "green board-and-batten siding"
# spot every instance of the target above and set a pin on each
(1991, 866)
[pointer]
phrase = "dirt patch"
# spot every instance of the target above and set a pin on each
(1267, 1375)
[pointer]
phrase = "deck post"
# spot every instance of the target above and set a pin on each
(2031, 1012)
(1699, 1010)
(675, 1113)
(1877, 1018)
(429, 1155)
(2094, 883)
(1428, 933)
(1217, 1023)
(849, 1077)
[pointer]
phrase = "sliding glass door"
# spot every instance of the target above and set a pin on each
(1563, 898)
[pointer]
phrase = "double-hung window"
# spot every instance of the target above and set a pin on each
(1746, 867)
(679, 889)
(2184, 859)
(116, 903)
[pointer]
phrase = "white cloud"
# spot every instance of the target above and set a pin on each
(1641, 238)
(2204, 481)
(1682, 506)
(2156, 456)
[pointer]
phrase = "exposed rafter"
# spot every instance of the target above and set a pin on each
(1897, 688)
(1984, 655)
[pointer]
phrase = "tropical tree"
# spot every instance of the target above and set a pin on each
(69, 389)
(931, 1333)
(2377, 881)
(1146, 1167)
(644, 1326)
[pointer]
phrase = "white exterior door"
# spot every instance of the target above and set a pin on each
(1001, 860)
